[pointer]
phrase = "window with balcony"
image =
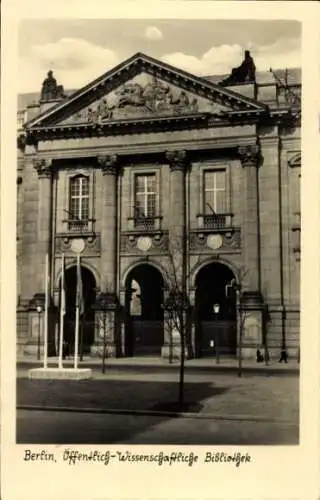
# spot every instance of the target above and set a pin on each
(145, 201)
(78, 219)
(214, 199)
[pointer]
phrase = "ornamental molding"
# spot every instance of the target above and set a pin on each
(66, 242)
(177, 160)
(43, 167)
(250, 155)
(134, 242)
(229, 241)
(108, 164)
(294, 159)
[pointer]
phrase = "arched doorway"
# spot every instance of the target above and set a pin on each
(86, 327)
(216, 327)
(144, 318)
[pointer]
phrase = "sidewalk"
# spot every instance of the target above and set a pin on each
(157, 364)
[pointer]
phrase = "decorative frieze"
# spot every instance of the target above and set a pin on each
(43, 167)
(250, 155)
(109, 164)
(203, 241)
(177, 160)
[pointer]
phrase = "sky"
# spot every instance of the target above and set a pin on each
(80, 50)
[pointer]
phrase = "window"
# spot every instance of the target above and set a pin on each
(214, 192)
(79, 201)
(145, 198)
(214, 198)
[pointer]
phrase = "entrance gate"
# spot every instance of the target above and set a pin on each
(144, 319)
(216, 318)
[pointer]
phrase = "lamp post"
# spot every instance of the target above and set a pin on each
(39, 311)
(216, 309)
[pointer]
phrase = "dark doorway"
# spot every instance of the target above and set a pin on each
(144, 319)
(216, 318)
(86, 327)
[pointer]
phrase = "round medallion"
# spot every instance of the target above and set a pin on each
(144, 243)
(77, 245)
(214, 241)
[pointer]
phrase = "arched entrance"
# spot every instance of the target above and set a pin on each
(216, 327)
(86, 327)
(144, 318)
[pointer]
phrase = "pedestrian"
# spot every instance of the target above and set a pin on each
(66, 350)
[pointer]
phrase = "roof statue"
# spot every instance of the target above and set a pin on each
(245, 73)
(50, 89)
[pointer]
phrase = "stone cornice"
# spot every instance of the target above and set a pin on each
(43, 166)
(118, 127)
(177, 160)
(217, 143)
(149, 125)
(250, 155)
(108, 163)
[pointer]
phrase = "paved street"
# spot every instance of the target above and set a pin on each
(224, 408)
(41, 427)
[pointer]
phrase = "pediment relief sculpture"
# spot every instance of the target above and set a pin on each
(154, 98)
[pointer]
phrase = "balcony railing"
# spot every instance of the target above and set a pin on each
(215, 221)
(144, 223)
(80, 226)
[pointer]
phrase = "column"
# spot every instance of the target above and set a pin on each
(177, 249)
(251, 303)
(107, 336)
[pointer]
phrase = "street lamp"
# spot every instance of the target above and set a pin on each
(39, 311)
(216, 309)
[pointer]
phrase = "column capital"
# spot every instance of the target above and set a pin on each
(177, 160)
(108, 163)
(250, 155)
(43, 167)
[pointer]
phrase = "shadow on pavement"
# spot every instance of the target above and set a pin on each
(125, 395)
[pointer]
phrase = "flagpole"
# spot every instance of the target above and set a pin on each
(46, 305)
(62, 299)
(76, 335)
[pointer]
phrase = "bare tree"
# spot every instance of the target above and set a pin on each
(177, 307)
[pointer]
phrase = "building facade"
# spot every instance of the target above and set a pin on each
(158, 177)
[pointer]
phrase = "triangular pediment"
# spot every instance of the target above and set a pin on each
(141, 88)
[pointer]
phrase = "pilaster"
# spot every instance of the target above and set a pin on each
(250, 160)
(45, 174)
(108, 269)
(178, 164)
